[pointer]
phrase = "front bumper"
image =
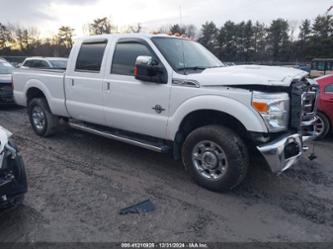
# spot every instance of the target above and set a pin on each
(284, 152)
(6, 94)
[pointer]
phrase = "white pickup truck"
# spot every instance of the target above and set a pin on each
(171, 95)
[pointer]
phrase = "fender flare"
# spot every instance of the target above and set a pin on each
(247, 116)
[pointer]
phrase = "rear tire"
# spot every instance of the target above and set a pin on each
(322, 126)
(216, 157)
(43, 122)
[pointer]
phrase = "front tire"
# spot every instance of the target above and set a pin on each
(216, 157)
(43, 122)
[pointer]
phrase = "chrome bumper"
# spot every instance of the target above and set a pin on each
(275, 152)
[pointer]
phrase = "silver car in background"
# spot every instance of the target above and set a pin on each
(6, 82)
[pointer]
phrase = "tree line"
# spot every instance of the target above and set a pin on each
(257, 42)
(245, 41)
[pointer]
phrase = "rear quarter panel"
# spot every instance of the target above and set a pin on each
(50, 82)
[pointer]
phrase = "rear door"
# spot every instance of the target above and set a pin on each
(84, 81)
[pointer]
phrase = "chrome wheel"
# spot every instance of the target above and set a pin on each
(209, 160)
(38, 118)
(319, 127)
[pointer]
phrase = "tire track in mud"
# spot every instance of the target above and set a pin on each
(300, 201)
(309, 207)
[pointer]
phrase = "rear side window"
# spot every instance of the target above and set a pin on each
(36, 64)
(40, 64)
(90, 57)
(125, 56)
(28, 63)
(329, 89)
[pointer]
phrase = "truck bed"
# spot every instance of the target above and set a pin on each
(50, 81)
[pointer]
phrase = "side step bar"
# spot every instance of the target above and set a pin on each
(122, 138)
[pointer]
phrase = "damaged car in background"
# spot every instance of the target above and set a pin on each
(13, 181)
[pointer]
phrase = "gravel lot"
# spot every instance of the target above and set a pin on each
(78, 183)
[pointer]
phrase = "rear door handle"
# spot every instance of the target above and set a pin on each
(108, 86)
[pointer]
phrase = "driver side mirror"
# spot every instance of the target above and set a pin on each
(149, 69)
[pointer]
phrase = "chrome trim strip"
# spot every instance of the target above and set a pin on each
(186, 83)
(116, 137)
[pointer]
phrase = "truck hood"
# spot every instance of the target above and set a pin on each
(248, 75)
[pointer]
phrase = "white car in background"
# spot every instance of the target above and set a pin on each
(45, 63)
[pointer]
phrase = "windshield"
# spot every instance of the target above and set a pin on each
(59, 64)
(6, 68)
(184, 55)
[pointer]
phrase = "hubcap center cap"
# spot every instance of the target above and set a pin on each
(210, 160)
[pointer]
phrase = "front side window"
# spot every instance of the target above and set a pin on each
(90, 57)
(329, 89)
(185, 55)
(6, 68)
(125, 56)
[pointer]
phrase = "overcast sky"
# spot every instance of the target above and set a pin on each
(49, 15)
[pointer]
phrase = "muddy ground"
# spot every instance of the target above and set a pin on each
(78, 183)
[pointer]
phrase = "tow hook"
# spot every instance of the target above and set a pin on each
(313, 155)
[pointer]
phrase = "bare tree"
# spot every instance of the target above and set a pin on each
(5, 36)
(100, 26)
(65, 37)
(136, 29)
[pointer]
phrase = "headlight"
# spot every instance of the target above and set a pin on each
(274, 109)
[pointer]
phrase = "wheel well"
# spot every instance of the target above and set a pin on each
(34, 93)
(202, 118)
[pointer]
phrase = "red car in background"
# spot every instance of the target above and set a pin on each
(325, 107)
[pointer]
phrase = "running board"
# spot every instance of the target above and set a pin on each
(122, 138)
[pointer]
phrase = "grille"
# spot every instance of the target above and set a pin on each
(309, 109)
(304, 96)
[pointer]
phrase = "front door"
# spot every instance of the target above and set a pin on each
(130, 104)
